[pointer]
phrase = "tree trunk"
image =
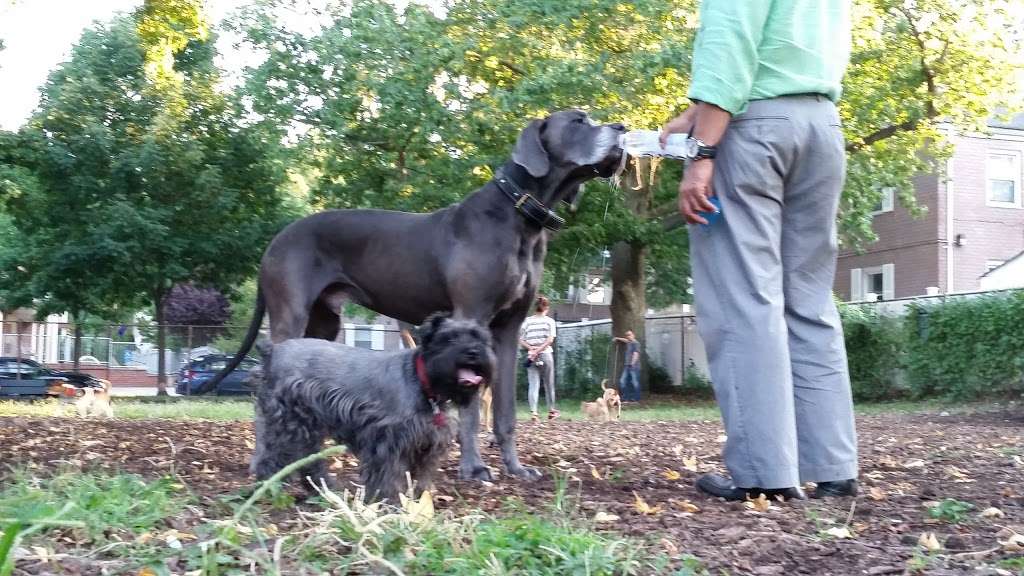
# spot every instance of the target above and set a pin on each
(629, 298)
(629, 302)
(77, 347)
(161, 344)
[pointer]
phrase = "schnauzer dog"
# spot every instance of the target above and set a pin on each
(389, 408)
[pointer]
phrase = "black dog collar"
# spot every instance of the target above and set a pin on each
(532, 209)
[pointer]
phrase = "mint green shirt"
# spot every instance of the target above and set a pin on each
(756, 49)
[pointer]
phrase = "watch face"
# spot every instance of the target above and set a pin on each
(690, 148)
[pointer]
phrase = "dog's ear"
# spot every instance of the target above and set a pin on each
(431, 325)
(529, 151)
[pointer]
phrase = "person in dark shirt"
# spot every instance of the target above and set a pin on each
(629, 383)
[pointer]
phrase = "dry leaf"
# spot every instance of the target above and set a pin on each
(603, 517)
(1010, 541)
(992, 512)
(839, 532)
(876, 493)
(690, 463)
(759, 504)
(643, 507)
(669, 547)
(420, 510)
(914, 463)
(888, 462)
(595, 473)
(686, 506)
(670, 474)
(678, 450)
(146, 571)
(929, 542)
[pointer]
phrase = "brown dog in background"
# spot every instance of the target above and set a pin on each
(607, 407)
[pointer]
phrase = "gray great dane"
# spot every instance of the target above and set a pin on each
(481, 259)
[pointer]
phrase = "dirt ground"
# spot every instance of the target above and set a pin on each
(908, 462)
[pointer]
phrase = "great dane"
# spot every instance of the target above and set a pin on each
(481, 259)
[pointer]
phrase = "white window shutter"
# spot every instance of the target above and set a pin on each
(350, 334)
(856, 285)
(377, 337)
(888, 281)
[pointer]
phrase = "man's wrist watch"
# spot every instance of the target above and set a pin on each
(696, 149)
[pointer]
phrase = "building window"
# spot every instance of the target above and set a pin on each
(1002, 173)
(991, 265)
(873, 284)
(370, 337)
(886, 201)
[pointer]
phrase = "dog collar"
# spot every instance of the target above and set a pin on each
(532, 209)
(421, 374)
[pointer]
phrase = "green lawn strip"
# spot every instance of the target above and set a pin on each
(659, 409)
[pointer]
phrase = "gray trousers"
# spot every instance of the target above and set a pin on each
(763, 291)
(534, 376)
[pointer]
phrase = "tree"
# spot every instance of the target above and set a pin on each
(150, 175)
(195, 313)
(411, 110)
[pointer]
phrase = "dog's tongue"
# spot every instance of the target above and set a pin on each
(469, 378)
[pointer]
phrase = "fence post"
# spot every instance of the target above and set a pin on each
(188, 360)
(110, 349)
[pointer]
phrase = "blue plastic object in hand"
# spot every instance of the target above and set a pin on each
(715, 216)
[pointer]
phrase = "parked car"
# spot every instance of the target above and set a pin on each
(198, 370)
(26, 377)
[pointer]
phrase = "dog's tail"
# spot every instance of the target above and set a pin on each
(250, 338)
(603, 384)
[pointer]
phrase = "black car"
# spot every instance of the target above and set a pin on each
(26, 377)
(194, 374)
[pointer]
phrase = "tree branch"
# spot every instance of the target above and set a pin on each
(512, 67)
(929, 104)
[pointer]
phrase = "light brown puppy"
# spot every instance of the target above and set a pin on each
(607, 407)
(485, 408)
(87, 401)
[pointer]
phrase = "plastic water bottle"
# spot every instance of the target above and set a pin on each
(645, 143)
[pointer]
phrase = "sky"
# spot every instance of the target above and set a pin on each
(39, 34)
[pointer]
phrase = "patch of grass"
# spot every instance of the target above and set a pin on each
(950, 510)
(139, 408)
(1014, 564)
(104, 504)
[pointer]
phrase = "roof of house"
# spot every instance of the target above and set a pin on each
(1013, 122)
(1019, 255)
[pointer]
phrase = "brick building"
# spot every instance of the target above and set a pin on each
(974, 223)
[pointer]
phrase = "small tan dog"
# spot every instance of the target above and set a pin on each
(607, 407)
(485, 407)
(87, 400)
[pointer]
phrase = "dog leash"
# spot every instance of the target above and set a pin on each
(440, 420)
(532, 209)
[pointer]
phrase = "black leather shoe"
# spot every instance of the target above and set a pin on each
(722, 487)
(836, 488)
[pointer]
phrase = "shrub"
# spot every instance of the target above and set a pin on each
(875, 350)
(968, 348)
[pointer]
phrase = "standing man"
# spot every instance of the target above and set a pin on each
(536, 335)
(629, 383)
(768, 143)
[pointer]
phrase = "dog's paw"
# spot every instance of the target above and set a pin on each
(482, 473)
(526, 473)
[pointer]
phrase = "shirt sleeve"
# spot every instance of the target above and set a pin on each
(725, 53)
(552, 322)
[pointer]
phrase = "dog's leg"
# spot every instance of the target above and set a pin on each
(471, 465)
(503, 391)
(382, 473)
(323, 323)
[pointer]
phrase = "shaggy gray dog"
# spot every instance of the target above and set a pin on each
(389, 408)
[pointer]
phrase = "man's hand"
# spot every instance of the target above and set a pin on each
(532, 354)
(679, 125)
(695, 189)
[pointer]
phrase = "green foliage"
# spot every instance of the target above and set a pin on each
(875, 349)
(581, 368)
(967, 348)
(104, 505)
(950, 510)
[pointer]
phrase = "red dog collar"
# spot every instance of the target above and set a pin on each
(421, 372)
